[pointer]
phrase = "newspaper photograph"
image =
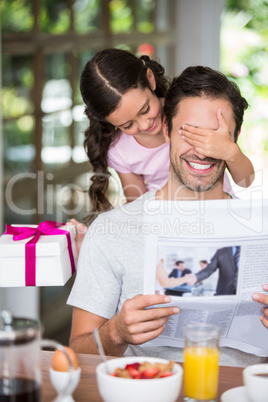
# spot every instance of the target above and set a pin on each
(209, 258)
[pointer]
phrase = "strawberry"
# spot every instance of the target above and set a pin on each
(134, 372)
(134, 365)
(166, 374)
(150, 372)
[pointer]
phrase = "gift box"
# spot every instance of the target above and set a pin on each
(43, 255)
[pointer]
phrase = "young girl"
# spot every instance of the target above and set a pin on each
(124, 98)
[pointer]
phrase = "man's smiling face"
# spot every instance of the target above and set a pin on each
(189, 168)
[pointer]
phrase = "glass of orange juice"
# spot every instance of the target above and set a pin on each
(201, 362)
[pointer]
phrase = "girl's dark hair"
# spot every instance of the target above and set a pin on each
(104, 79)
(204, 81)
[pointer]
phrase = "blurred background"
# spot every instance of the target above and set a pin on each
(44, 172)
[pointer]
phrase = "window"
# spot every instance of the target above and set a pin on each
(45, 45)
(244, 59)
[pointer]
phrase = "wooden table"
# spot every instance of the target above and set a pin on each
(87, 390)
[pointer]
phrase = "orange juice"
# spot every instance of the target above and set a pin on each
(201, 372)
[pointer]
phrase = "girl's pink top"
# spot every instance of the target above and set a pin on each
(126, 155)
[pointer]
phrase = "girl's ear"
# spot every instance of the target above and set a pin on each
(151, 79)
(165, 131)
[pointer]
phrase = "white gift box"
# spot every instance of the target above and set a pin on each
(53, 265)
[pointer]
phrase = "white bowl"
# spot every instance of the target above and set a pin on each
(116, 389)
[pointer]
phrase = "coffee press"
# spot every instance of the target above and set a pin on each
(20, 375)
(20, 372)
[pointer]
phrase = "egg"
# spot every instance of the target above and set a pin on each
(60, 362)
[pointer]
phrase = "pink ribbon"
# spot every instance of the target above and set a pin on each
(46, 228)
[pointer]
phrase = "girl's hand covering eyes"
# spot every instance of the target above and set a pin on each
(215, 144)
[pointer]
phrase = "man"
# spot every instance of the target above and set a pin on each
(180, 270)
(203, 264)
(107, 293)
(226, 261)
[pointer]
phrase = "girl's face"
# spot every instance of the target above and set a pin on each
(139, 113)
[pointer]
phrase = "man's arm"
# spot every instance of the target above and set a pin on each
(165, 280)
(83, 324)
(186, 271)
(209, 270)
(134, 324)
(205, 273)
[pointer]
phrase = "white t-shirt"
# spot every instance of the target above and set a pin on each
(126, 155)
(111, 270)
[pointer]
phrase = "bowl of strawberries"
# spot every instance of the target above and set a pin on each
(139, 378)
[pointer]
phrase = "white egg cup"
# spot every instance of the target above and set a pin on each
(65, 382)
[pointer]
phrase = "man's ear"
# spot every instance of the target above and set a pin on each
(151, 79)
(165, 131)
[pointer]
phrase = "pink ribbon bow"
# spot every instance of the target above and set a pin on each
(46, 228)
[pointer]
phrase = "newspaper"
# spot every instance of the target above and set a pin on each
(196, 231)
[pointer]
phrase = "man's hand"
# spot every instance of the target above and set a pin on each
(219, 146)
(262, 298)
(190, 279)
(135, 324)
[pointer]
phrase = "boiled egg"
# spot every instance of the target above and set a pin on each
(60, 361)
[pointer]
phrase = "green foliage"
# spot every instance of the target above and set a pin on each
(13, 105)
(257, 10)
(57, 66)
(16, 16)
(121, 16)
(145, 10)
(244, 58)
(18, 139)
(54, 16)
(87, 15)
(145, 27)
(17, 81)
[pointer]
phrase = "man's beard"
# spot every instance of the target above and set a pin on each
(198, 184)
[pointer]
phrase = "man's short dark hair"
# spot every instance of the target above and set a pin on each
(199, 81)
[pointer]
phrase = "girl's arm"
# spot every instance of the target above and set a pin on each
(133, 185)
(217, 144)
(240, 167)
